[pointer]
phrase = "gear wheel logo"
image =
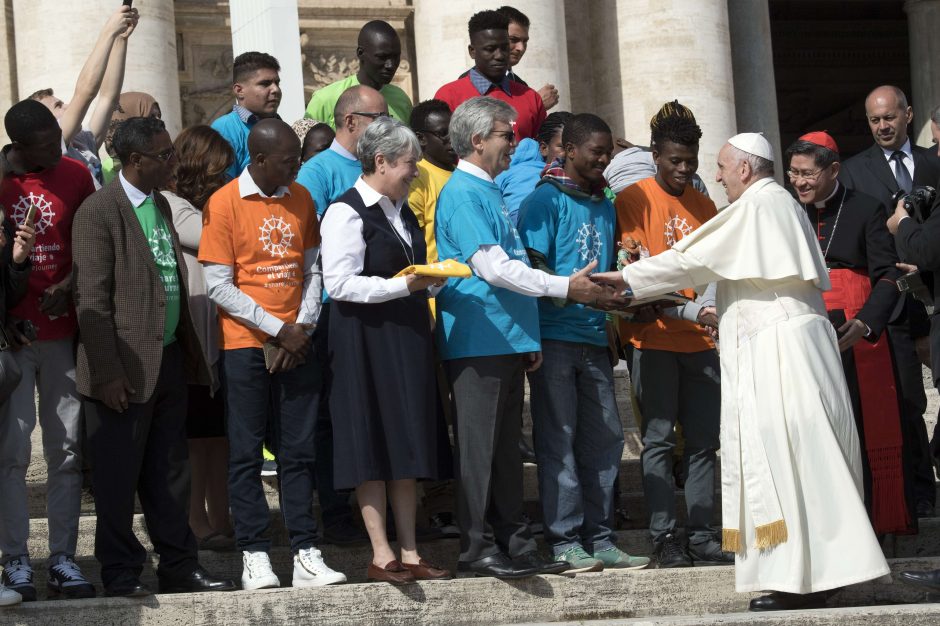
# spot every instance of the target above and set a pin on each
(676, 228)
(44, 212)
(162, 248)
(589, 242)
(276, 236)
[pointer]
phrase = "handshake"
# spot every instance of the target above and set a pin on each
(603, 291)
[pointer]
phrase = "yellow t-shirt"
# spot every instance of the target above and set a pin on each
(264, 240)
(657, 220)
(422, 199)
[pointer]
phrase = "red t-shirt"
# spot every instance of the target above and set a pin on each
(525, 100)
(57, 194)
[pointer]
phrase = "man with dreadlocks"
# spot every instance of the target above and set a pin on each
(566, 224)
(675, 365)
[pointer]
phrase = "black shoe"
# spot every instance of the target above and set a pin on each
(670, 553)
(344, 533)
(780, 601)
(498, 566)
(444, 523)
(198, 580)
(127, 585)
(18, 576)
(929, 579)
(923, 508)
(542, 566)
(526, 450)
(710, 553)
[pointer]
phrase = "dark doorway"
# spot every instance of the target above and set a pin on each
(827, 56)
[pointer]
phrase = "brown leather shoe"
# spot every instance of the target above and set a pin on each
(393, 573)
(426, 571)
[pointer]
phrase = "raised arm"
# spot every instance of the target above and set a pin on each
(111, 85)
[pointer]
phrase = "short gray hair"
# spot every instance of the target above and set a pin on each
(388, 137)
(476, 116)
(758, 165)
(935, 116)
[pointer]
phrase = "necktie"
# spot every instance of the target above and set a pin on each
(901, 174)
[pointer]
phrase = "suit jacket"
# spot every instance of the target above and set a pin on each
(870, 173)
(120, 299)
(920, 243)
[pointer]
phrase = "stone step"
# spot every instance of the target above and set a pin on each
(891, 615)
(603, 595)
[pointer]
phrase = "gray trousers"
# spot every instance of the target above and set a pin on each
(683, 387)
(488, 393)
(49, 368)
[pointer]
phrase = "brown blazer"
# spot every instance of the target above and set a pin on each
(120, 298)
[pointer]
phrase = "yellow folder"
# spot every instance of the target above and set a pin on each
(449, 268)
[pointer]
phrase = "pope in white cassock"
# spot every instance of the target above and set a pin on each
(791, 477)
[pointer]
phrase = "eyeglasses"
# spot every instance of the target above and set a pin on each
(508, 135)
(163, 157)
(374, 116)
(444, 137)
(810, 177)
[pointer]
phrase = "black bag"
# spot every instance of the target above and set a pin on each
(10, 373)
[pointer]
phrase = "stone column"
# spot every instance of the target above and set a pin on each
(273, 27)
(8, 91)
(923, 18)
(755, 91)
(54, 38)
(441, 41)
(680, 50)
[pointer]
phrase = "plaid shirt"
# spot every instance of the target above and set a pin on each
(483, 84)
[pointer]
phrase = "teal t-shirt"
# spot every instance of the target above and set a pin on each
(570, 231)
(161, 245)
(235, 132)
(323, 101)
(327, 176)
(474, 317)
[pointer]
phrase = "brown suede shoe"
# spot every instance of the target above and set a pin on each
(426, 571)
(393, 573)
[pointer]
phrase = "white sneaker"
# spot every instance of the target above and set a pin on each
(257, 572)
(311, 571)
(8, 597)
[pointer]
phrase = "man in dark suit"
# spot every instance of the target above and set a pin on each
(893, 162)
(136, 348)
(920, 245)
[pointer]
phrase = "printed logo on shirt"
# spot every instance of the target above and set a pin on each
(589, 242)
(676, 228)
(162, 248)
(276, 236)
(44, 212)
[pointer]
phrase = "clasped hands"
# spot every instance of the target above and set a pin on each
(597, 290)
(293, 344)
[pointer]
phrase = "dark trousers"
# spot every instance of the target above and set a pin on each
(143, 450)
(289, 400)
(488, 394)
(919, 473)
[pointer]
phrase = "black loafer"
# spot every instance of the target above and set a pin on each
(542, 566)
(780, 601)
(127, 586)
(198, 580)
(498, 566)
(929, 579)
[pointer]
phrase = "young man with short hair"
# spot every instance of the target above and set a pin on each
(430, 121)
(489, 49)
(518, 43)
(256, 83)
(566, 224)
(39, 176)
(379, 52)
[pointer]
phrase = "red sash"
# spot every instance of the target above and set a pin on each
(881, 416)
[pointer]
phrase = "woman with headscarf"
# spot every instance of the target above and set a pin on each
(130, 104)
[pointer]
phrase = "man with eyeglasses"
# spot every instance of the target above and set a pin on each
(860, 256)
(430, 121)
(379, 52)
(891, 163)
(137, 351)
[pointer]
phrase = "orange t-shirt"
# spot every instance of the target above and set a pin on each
(264, 240)
(657, 220)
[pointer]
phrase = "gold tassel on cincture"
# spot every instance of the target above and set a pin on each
(770, 535)
(731, 540)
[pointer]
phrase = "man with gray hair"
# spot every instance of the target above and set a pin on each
(488, 334)
(791, 474)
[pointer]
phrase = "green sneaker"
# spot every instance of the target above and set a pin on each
(615, 558)
(580, 561)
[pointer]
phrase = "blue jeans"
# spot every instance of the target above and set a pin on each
(289, 399)
(578, 444)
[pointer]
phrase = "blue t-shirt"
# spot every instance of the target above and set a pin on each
(570, 230)
(327, 176)
(524, 173)
(235, 131)
(475, 318)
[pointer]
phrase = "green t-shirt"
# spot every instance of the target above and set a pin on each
(161, 244)
(324, 100)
